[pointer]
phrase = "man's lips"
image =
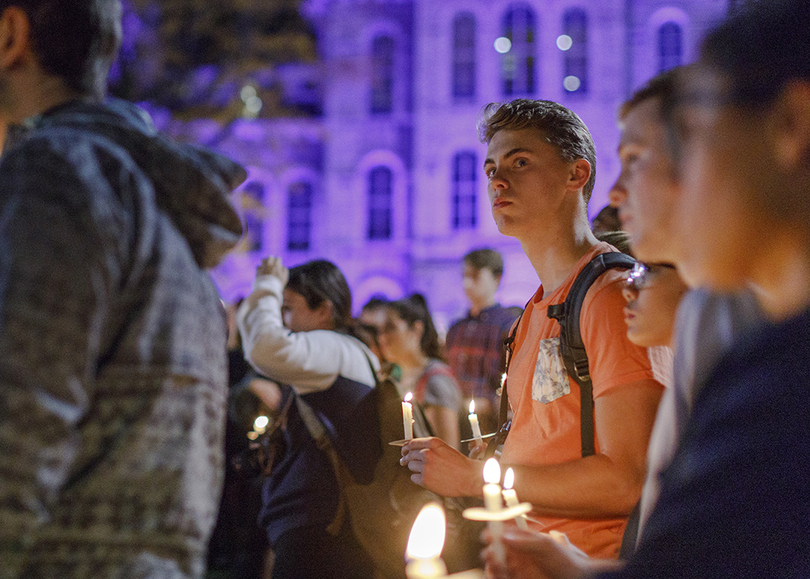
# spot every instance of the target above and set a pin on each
(629, 314)
(499, 202)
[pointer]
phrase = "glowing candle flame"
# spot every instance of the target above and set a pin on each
(472, 406)
(261, 422)
(408, 397)
(508, 479)
(427, 534)
(492, 471)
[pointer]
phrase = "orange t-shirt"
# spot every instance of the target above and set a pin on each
(546, 402)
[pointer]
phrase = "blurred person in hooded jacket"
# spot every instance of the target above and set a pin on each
(112, 335)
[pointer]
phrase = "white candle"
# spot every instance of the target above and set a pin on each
(425, 544)
(473, 417)
(510, 497)
(493, 503)
(407, 415)
(260, 424)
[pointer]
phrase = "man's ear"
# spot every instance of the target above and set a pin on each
(15, 37)
(580, 173)
(791, 126)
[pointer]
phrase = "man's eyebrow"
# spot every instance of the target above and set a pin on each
(515, 151)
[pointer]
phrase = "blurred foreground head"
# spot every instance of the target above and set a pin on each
(742, 120)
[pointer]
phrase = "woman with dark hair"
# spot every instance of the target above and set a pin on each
(409, 339)
(295, 330)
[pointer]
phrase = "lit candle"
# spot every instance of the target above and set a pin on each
(476, 428)
(407, 415)
(510, 497)
(493, 503)
(260, 424)
(425, 544)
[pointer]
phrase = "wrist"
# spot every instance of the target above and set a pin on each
(474, 479)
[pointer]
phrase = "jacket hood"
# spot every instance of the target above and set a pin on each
(192, 184)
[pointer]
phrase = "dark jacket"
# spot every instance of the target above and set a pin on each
(735, 501)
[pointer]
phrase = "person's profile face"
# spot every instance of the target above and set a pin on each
(652, 293)
(480, 285)
(725, 164)
(399, 341)
(646, 188)
(297, 315)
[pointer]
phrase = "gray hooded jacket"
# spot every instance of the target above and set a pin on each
(112, 347)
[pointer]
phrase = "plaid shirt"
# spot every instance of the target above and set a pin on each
(112, 347)
(475, 350)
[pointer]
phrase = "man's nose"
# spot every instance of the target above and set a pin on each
(617, 196)
(630, 293)
(497, 180)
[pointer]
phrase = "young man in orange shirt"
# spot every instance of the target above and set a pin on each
(541, 167)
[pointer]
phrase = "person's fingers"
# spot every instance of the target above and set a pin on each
(419, 443)
(417, 464)
(530, 541)
(493, 565)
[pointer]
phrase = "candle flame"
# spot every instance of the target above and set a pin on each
(408, 397)
(472, 406)
(492, 471)
(427, 534)
(508, 479)
(261, 422)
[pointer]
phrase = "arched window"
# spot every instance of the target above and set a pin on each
(253, 205)
(670, 46)
(575, 69)
(299, 216)
(464, 55)
(517, 63)
(380, 203)
(465, 188)
(382, 75)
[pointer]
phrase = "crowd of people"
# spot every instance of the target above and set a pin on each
(671, 443)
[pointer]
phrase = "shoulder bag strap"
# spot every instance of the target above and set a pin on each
(318, 432)
(503, 414)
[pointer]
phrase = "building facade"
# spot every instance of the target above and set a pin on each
(385, 177)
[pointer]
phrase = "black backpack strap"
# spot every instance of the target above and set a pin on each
(572, 347)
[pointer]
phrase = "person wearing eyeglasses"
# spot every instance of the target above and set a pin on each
(653, 292)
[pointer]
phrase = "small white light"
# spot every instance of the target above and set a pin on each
(261, 422)
(247, 92)
(571, 83)
(564, 42)
(472, 406)
(503, 44)
(253, 105)
(408, 397)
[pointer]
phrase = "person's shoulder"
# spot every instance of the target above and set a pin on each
(505, 315)
(436, 368)
(612, 281)
(458, 325)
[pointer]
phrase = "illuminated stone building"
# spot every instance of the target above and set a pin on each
(365, 152)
